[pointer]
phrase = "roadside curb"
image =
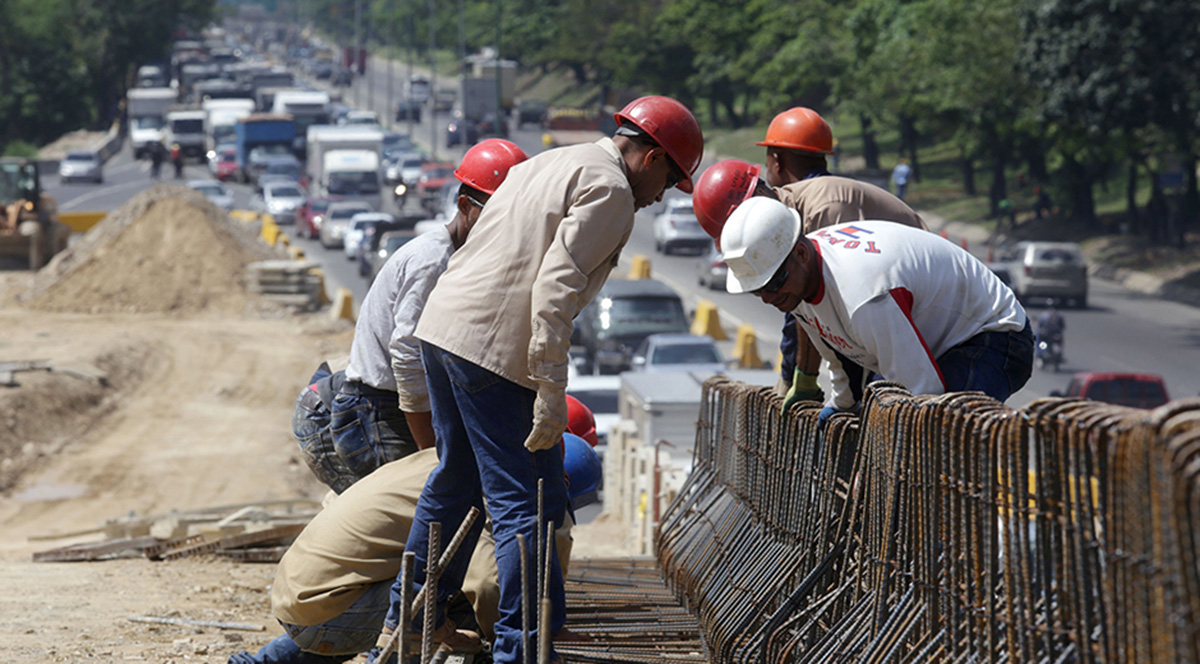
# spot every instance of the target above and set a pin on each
(1145, 282)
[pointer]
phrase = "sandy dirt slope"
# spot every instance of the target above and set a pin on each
(201, 419)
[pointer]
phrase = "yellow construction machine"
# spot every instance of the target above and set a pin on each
(29, 225)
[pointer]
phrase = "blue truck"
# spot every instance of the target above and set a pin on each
(271, 132)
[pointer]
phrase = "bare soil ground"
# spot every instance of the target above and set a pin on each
(193, 411)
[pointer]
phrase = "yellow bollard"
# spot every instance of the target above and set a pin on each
(745, 348)
(322, 296)
(285, 240)
(640, 268)
(343, 305)
(708, 321)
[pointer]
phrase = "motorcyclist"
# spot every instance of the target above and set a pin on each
(1050, 328)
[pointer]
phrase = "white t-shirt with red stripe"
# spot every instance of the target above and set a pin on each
(895, 298)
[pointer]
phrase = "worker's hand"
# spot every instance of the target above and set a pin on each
(831, 410)
(549, 418)
(804, 388)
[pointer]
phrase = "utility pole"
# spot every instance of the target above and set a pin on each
(356, 50)
(462, 38)
(391, 40)
(499, 92)
(407, 90)
(432, 77)
(367, 71)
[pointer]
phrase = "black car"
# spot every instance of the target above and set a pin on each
(408, 109)
(623, 314)
(531, 111)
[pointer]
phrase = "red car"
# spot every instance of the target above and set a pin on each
(227, 167)
(1123, 389)
(309, 217)
(433, 176)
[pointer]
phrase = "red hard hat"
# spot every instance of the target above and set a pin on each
(672, 126)
(720, 189)
(580, 421)
(800, 129)
(486, 165)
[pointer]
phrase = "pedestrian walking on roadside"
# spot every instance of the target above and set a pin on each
(496, 333)
(797, 143)
(378, 410)
(156, 160)
(881, 297)
(900, 175)
(177, 160)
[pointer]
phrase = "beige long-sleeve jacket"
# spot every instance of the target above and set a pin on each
(541, 250)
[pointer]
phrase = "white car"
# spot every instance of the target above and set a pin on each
(213, 191)
(281, 200)
(337, 221)
(81, 165)
(368, 118)
(678, 352)
(601, 394)
(676, 227)
(358, 230)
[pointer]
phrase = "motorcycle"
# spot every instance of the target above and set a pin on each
(1049, 353)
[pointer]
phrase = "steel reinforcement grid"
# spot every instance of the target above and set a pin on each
(944, 528)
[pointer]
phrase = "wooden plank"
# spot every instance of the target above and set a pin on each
(95, 550)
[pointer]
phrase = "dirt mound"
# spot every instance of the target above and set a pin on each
(168, 250)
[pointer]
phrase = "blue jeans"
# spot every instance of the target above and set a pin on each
(368, 429)
(996, 363)
(481, 421)
(332, 642)
(310, 426)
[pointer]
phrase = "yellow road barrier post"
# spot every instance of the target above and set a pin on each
(708, 321)
(745, 348)
(640, 268)
(343, 305)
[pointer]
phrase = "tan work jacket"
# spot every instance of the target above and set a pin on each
(831, 199)
(539, 253)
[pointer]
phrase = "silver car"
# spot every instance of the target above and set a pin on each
(678, 352)
(281, 200)
(1050, 270)
(336, 223)
(81, 165)
(676, 228)
(711, 270)
(213, 191)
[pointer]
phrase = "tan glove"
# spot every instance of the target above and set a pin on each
(549, 418)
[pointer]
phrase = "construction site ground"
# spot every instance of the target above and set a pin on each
(177, 398)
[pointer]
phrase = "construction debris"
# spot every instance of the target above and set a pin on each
(198, 623)
(290, 283)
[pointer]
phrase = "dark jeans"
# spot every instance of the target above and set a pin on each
(310, 426)
(368, 428)
(481, 421)
(996, 363)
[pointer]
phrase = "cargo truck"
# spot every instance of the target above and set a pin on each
(262, 130)
(222, 118)
(308, 108)
(147, 111)
(345, 161)
(185, 128)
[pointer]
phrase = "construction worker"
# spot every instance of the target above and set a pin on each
(797, 141)
(496, 331)
(881, 297)
(379, 410)
(331, 587)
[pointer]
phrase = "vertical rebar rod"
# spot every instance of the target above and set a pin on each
(432, 572)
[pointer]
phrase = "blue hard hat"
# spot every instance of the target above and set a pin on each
(585, 475)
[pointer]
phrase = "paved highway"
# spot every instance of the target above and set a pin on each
(1120, 331)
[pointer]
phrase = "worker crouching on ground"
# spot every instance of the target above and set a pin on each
(798, 141)
(331, 588)
(378, 410)
(881, 297)
(496, 332)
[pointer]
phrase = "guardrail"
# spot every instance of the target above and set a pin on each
(947, 528)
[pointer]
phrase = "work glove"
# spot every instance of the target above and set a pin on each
(804, 388)
(831, 410)
(549, 418)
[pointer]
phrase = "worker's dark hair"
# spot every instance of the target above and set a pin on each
(465, 189)
(795, 161)
(635, 134)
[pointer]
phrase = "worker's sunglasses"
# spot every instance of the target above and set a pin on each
(472, 201)
(776, 281)
(674, 176)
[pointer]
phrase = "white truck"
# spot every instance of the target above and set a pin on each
(345, 161)
(308, 108)
(147, 111)
(222, 117)
(185, 128)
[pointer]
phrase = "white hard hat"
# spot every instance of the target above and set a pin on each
(756, 240)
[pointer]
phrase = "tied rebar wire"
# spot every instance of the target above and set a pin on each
(939, 528)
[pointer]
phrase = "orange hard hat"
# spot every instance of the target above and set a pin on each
(580, 421)
(800, 129)
(720, 189)
(673, 127)
(486, 164)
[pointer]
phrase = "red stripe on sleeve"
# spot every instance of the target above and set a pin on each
(904, 299)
